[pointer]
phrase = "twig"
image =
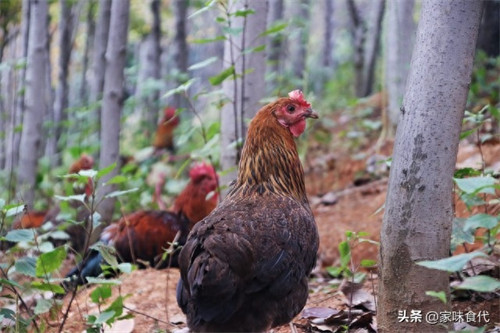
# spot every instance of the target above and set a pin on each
(147, 316)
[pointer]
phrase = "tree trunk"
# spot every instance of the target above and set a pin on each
(327, 54)
(91, 5)
(372, 46)
(36, 103)
(113, 98)
(13, 137)
(249, 85)
(400, 35)
(489, 31)
(150, 69)
(298, 51)
(418, 209)
(275, 44)
(62, 91)
(181, 51)
(99, 59)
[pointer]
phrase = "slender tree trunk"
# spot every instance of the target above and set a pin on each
(36, 103)
(150, 69)
(88, 45)
(99, 60)
(14, 138)
(358, 33)
(327, 58)
(400, 35)
(298, 52)
(62, 91)
(418, 209)
(249, 85)
(372, 46)
(275, 44)
(113, 98)
(181, 50)
(489, 31)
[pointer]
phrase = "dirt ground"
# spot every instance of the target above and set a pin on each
(151, 293)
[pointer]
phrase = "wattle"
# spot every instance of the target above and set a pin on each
(298, 128)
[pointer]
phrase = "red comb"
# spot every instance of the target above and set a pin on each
(298, 97)
(169, 112)
(200, 170)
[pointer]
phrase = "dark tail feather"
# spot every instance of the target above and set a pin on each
(91, 267)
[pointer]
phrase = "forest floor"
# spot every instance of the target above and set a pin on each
(339, 206)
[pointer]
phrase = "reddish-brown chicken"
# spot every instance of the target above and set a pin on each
(164, 136)
(145, 235)
(245, 267)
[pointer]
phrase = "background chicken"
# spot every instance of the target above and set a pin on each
(164, 136)
(145, 235)
(245, 267)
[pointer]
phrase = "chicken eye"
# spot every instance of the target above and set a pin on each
(290, 108)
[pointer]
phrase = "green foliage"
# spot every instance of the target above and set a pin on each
(451, 264)
(441, 295)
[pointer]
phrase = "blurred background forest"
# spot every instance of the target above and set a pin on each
(142, 89)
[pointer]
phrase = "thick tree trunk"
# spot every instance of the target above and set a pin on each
(298, 51)
(113, 98)
(400, 35)
(489, 31)
(99, 59)
(13, 137)
(275, 43)
(62, 91)
(36, 103)
(181, 51)
(246, 91)
(418, 209)
(372, 46)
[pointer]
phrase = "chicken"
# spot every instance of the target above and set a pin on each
(145, 235)
(245, 267)
(85, 162)
(164, 136)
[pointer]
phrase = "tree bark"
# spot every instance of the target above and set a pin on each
(489, 31)
(418, 209)
(150, 69)
(275, 43)
(36, 103)
(400, 35)
(99, 59)
(66, 23)
(246, 91)
(91, 5)
(372, 46)
(181, 50)
(13, 137)
(113, 99)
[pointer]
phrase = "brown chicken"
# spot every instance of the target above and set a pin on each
(245, 267)
(164, 136)
(145, 235)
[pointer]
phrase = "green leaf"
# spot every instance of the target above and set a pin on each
(466, 172)
(102, 281)
(104, 317)
(10, 283)
(459, 235)
(345, 254)
(108, 253)
(244, 12)
(43, 306)
(55, 288)
(120, 193)
(256, 49)
(20, 235)
(100, 294)
(180, 89)
(126, 267)
(203, 63)
(438, 294)
(275, 28)
(103, 172)
(482, 184)
(465, 134)
(90, 173)
(219, 78)
(26, 266)
(2, 203)
(232, 31)
(205, 41)
(118, 179)
(11, 210)
(368, 263)
(480, 221)
(334, 271)
(117, 306)
(50, 261)
(451, 264)
(480, 283)
(78, 197)
(207, 6)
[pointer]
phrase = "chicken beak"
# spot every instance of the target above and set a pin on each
(310, 113)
